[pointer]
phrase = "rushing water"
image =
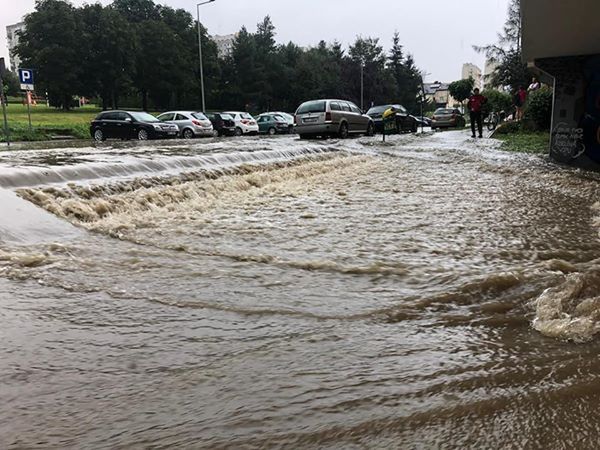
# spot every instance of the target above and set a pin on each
(432, 292)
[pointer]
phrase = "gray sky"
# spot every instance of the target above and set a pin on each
(439, 33)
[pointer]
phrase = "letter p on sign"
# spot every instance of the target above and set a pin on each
(26, 78)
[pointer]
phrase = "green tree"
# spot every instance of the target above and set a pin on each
(511, 71)
(12, 86)
(461, 89)
(107, 50)
(51, 44)
(497, 101)
(406, 75)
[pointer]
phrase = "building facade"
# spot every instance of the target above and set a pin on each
(489, 68)
(12, 38)
(470, 70)
(225, 44)
(561, 42)
(439, 94)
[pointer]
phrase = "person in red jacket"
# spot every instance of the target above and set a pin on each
(475, 105)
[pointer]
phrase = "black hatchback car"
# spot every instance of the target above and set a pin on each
(222, 123)
(404, 121)
(130, 125)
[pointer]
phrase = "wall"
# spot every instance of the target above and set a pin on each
(576, 115)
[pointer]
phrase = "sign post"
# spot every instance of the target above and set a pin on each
(3, 101)
(27, 85)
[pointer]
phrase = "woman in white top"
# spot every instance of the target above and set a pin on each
(534, 86)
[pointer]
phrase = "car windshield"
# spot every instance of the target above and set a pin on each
(226, 117)
(279, 118)
(246, 116)
(144, 117)
(199, 116)
(311, 107)
(443, 111)
(377, 110)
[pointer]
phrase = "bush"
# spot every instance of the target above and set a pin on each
(539, 109)
(497, 101)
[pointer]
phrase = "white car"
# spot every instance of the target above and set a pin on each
(244, 123)
(191, 124)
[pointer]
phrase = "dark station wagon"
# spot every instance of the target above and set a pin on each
(130, 125)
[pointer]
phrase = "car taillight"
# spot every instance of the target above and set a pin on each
(328, 116)
(245, 121)
(195, 122)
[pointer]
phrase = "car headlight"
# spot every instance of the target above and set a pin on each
(156, 127)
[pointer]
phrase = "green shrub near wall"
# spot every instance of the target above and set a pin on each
(539, 109)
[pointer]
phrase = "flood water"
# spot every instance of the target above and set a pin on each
(432, 292)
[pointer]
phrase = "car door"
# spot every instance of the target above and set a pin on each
(336, 113)
(347, 115)
(109, 125)
(123, 125)
(359, 123)
(263, 124)
(182, 121)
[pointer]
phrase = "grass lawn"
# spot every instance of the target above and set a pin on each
(47, 122)
(525, 142)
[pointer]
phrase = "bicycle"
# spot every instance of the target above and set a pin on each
(495, 119)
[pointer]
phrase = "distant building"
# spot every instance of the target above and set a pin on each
(561, 43)
(225, 44)
(470, 70)
(12, 38)
(439, 94)
(489, 69)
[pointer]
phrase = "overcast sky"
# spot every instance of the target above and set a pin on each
(439, 33)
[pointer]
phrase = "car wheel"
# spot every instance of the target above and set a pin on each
(343, 134)
(188, 134)
(370, 129)
(291, 129)
(238, 131)
(272, 131)
(99, 135)
(143, 135)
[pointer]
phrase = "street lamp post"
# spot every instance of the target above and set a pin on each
(362, 87)
(200, 52)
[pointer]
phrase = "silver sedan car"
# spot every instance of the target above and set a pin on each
(191, 124)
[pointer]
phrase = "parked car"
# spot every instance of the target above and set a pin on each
(332, 117)
(244, 123)
(130, 125)
(222, 123)
(272, 124)
(190, 124)
(404, 121)
(289, 118)
(447, 118)
(423, 120)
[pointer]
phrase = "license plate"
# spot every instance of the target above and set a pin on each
(310, 119)
(172, 133)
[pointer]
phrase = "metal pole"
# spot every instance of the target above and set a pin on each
(200, 56)
(362, 88)
(422, 100)
(28, 97)
(3, 101)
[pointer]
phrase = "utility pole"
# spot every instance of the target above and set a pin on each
(3, 101)
(200, 52)
(362, 87)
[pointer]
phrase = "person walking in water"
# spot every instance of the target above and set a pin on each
(475, 105)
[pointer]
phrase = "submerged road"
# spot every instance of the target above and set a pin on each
(430, 292)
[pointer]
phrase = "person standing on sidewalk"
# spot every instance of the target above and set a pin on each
(475, 105)
(520, 100)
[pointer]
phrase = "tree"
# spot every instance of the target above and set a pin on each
(511, 71)
(406, 75)
(12, 86)
(107, 54)
(461, 89)
(51, 44)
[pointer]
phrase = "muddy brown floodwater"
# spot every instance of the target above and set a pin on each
(432, 292)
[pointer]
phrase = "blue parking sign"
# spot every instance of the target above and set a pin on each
(26, 79)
